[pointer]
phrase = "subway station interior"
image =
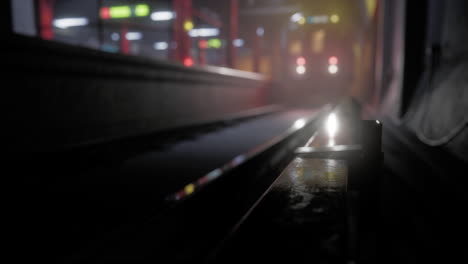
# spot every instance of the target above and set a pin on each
(236, 131)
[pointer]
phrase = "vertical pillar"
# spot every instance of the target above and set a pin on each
(46, 16)
(233, 32)
(183, 10)
(187, 9)
(202, 56)
(124, 43)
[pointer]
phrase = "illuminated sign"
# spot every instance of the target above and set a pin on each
(204, 32)
(213, 43)
(124, 11)
(322, 19)
(300, 19)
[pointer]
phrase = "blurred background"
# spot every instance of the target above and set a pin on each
(289, 41)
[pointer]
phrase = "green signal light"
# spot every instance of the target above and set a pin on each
(214, 43)
(120, 12)
(142, 10)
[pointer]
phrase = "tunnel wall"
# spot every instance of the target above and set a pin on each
(62, 96)
(436, 106)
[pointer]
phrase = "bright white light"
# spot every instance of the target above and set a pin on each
(70, 22)
(204, 32)
(300, 123)
(332, 69)
(162, 16)
(238, 43)
(260, 31)
(115, 36)
(332, 125)
(134, 35)
(300, 69)
(161, 45)
(296, 17)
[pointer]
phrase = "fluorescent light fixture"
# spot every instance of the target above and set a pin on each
(134, 35)
(64, 23)
(238, 43)
(162, 15)
(161, 45)
(203, 32)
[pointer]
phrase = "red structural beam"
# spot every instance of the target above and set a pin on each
(124, 42)
(46, 17)
(180, 36)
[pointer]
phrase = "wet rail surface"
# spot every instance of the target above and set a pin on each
(300, 218)
(321, 208)
(80, 203)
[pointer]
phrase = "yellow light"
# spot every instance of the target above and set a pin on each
(334, 18)
(189, 189)
(295, 47)
(188, 25)
(301, 21)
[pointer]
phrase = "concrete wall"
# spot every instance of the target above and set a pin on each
(60, 96)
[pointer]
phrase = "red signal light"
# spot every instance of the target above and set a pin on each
(333, 60)
(188, 62)
(301, 61)
(105, 13)
(203, 44)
